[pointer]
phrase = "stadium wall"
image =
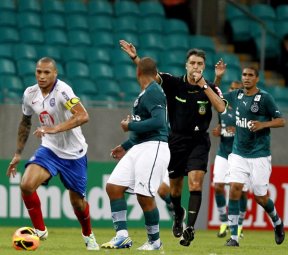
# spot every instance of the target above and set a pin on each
(102, 133)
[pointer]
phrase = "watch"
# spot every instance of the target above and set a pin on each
(205, 86)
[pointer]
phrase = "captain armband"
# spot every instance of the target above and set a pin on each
(71, 103)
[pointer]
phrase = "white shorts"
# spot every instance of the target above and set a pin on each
(255, 171)
(221, 170)
(166, 179)
(142, 169)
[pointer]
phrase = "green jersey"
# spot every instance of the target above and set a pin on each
(226, 119)
(149, 117)
(259, 107)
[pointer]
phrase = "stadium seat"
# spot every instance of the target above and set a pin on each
(29, 19)
(76, 69)
(102, 39)
(76, 22)
(8, 18)
(240, 29)
(175, 26)
(209, 74)
(6, 51)
(52, 6)
(150, 24)
(230, 75)
(26, 67)
(256, 28)
(109, 88)
(9, 35)
(48, 51)
(177, 42)
(29, 80)
(234, 13)
(100, 23)
(155, 54)
(151, 8)
(24, 51)
(125, 72)
(131, 89)
(126, 9)
(30, 6)
(101, 71)
(79, 38)
(97, 55)
(75, 7)
(31, 35)
(172, 69)
(53, 20)
(12, 97)
(128, 36)
(151, 41)
(119, 57)
(84, 86)
(272, 49)
(202, 42)
(125, 24)
(70, 54)
(263, 11)
(174, 57)
(96, 7)
(105, 101)
(7, 66)
(56, 37)
(281, 28)
(230, 59)
(7, 5)
(12, 83)
(282, 12)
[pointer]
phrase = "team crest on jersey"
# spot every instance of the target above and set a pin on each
(254, 107)
(136, 102)
(257, 98)
(202, 107)
(240, 95)
(52, 102)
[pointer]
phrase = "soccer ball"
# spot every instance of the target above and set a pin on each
(25, 238)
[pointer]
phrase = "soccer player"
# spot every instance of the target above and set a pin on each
(189, 99)
(62, 151)
(144, 160)
(250, 160)
(226, 131)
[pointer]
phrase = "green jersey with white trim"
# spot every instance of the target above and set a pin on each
(259, 107)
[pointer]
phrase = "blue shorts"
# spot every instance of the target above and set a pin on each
(73, 172)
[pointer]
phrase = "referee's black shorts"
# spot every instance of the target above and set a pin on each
(188, 153)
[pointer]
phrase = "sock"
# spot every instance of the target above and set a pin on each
(152, 224)
(194, 207)
(84, 219)
(243, 208)
(119, 216)
(176, 201)
(233, 217)
(271, 210)
(33, 205)
(221, 206)
(168, 202)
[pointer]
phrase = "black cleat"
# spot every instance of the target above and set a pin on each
(188, 236)
(232, 242)
(279, 233)
(178, 220)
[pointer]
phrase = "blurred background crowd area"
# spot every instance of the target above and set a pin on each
(83, 35)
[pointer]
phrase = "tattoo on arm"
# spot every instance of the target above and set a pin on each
(23, 133)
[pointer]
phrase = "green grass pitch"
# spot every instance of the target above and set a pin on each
(69, 241)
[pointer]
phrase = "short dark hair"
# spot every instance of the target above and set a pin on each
(255, 69)
(47, 60)
(147, 66)
(196, 52)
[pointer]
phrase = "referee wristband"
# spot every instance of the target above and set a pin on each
(133, 58)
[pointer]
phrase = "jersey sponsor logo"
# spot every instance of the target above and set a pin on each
(196, 128)
(180, 99)
(52, 102)
(46, 119)
(71, 103)
(257, 98)
(254, 107)
(243, 122)
(202, 107)
(240, 95)
(65, 95)
(136, 117)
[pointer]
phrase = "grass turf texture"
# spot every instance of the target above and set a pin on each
(69, 241)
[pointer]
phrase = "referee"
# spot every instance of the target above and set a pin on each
(189, 100)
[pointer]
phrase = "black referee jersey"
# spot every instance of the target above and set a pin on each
(189, 109)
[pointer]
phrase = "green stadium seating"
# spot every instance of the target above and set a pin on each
(52, 6)
(202, 42)
(172, 69)
(11, 97)
(126, 8)
(100, 23)
(105, 101)
(230, 75)
(56, 37)
(155, 54)
(272, 49)
(125, 24)
(108, 88)
(232, 60)
(263, 11)
(76, 22)
(101, 71)
(128, 36)
(76, 69)
(12, 83)
(130, 88)
(6, 51)
(233, 13)
(84, 86)
(9, 35)
(175, 57)
(175, 26)
(96, 7)
(48, 51)
(75, 7)
(281, 28)
(119, 57)
(7, 5)
(30, 6)
(79, 38)
(97, 55)
(102, 39)
(24, 51)
(8, 18)
(53, 20)
(150, 24)
(26, 67)
(31, 35)
(240, 29)
(29, 19)
(209, 74)
(125, 72)
(71, 54)
(152, 41)
(29, 80)
(151, 8)
(282, 12)
(7, 66)
(177, 42)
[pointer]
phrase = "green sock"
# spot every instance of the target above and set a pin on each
(271, 210)
(152, 224)
(221, 206)
(233, 217)
(243, 208)
(119, 212)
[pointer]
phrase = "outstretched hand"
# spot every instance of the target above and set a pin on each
(129, 48)
(220, 68)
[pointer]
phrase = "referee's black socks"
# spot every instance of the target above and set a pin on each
(194, 207)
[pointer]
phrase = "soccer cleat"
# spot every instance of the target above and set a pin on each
(118, 242)
(150, 246)
(223, 230)
(279, 233)
(240, 232)
(188, 236)
(232, 242)
(42, 234)
(90, 242)
(178, 222)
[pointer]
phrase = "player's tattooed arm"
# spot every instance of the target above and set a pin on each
(23, 133)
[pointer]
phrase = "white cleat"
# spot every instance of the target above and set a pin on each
(90, 242)
(42, 234)
(150, 246)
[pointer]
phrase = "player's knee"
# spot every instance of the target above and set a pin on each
(27, 187)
